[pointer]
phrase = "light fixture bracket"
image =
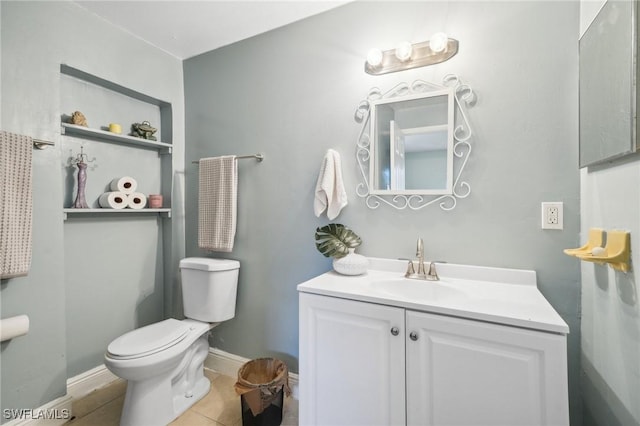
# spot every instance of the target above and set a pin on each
(421, 56)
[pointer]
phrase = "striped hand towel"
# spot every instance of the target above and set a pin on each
(15, 204)
(217, 203)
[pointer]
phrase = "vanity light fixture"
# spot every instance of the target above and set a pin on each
(438, 42)
(403, 51)
(407, 56)
(374, 57)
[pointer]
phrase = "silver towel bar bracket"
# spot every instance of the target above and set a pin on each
(40, 144)
(258, 157)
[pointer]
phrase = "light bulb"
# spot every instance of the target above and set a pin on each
(438, 42)
(403, 51)
(374, 57)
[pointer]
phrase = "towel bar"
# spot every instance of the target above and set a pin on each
(258, 157)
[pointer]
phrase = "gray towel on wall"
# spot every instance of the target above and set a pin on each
(15, 204)
(217, 203)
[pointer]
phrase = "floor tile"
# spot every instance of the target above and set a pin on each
(191, 418)
(290, 414)
(211, 375)
(98, 398)
(106, 415)
(221, 403)
(220, 407)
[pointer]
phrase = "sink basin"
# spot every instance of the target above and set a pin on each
(416, 290)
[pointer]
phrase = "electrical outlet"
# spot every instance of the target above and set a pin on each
(552, 215)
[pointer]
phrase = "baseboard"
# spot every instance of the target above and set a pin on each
(229, 364)
(85, 383)
(54, 413)
(59, 411)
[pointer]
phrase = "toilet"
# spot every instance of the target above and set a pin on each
(163, 363)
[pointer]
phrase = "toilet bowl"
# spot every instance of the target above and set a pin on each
(163, 363)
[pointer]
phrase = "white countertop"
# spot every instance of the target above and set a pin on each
(497, 295)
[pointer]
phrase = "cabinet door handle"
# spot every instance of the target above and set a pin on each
(413, 336)
(395, 331)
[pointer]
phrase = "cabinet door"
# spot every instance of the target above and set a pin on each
(463, 372)
(351, 363)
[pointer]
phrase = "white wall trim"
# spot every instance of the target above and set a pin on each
(53, 413)
(229, 364)
(85, 383)
(59, 411)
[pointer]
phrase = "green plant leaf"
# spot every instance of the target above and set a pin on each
(335, 240)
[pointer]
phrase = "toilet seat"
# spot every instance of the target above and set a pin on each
(149, 340)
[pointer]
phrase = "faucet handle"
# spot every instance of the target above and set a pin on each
(432, 274)
(410, 268)
(419, 248)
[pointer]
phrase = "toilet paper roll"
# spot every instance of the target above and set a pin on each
(13, 327)
(124, 184)
(136, 201)
(113, 200)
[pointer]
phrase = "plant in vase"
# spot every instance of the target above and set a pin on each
(339, 242)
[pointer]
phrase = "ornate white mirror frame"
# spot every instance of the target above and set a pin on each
(464, 97)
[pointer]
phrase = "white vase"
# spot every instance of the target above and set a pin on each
(351, 264)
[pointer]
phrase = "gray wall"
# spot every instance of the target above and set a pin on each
(292, 93)
(91, 279)
(610, 326)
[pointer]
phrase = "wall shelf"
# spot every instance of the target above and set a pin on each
(164, 212)
(105, 136)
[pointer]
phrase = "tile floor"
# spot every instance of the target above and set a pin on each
(220, 407)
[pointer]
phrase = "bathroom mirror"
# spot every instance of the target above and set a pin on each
(414, 144)
(608, 51)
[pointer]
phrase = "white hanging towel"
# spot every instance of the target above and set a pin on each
(330, 192)
(16, 204)
(217, 203)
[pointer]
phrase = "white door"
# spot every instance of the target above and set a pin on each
(463, 372)
(352, 362)
(397, 160)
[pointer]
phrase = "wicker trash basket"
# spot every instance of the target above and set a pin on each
(262, 384)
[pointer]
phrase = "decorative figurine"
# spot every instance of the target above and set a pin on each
(143, 130)
(81, 202)
(79, 119)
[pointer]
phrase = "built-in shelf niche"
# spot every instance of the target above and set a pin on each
(104, 102)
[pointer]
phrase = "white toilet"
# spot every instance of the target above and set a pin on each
(163, 362)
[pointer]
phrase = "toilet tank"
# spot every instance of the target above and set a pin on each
(209, 288)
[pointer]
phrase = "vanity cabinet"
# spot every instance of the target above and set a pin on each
(464, 372)
(352, 363)
(368, 364)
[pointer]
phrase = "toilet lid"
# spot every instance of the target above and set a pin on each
(209, 264)
(148, 340)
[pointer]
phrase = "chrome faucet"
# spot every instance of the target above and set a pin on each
(421, 273)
